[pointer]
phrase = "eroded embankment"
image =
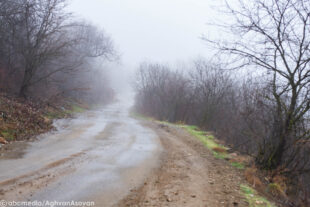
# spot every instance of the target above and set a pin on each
(22, 119)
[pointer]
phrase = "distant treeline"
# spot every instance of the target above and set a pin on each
(46, 53)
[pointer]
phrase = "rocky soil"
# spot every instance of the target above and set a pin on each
(189, 176)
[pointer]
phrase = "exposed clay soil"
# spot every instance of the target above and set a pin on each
(189, 176)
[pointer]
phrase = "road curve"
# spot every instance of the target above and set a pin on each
(98, 156)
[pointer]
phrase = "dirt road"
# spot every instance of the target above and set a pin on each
(98, 156)
(108, 157)
(189, 175)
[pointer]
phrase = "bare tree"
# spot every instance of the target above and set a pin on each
(275, 36)
(9, 11)
(39, 39)
(85, 44)
(162, 93)
(212, 86)
(37, 35)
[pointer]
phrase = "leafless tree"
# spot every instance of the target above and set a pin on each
(40, 39)
(35, 33)
(87, 44)
(162, 93)
(9, 11)
(275, 36)
(212, 87)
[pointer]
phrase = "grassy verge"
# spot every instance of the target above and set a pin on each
(139, 116)
(74, 109)
(253, 198)
(238, 165)
(63, 113)
(8, 134)
(218, 150)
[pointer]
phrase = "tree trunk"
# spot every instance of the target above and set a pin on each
(272, 156)
(23, 92)
(278, 154)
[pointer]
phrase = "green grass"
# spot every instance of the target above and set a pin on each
(8, 134)
(139, 116)
(219, 155)
(74, 109)
(193, 128)
(58, 114)
(77, 109)
(207, 140)
(253, 198)
(55, 114)
(64, 113)
(238, 165)
(166, 123)
(210, 143)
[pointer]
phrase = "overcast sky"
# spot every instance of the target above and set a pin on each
(155, 30)
(166, 31)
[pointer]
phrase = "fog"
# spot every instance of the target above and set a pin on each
(153, 30)
(232, 73)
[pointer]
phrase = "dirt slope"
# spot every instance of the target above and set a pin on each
(21, 119)
(189, 176)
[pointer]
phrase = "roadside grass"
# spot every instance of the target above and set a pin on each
(74, 108)
(253, 198)
(77, 109)
(218, 150)
(55, 114)
(58, 114)
(238, 165)
(8, 134)
(139, 116)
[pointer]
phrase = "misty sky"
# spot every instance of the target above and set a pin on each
(167, 31)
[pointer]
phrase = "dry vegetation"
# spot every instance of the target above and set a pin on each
(22, 119)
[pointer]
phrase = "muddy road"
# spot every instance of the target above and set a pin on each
(109, 158)
(98, 156)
